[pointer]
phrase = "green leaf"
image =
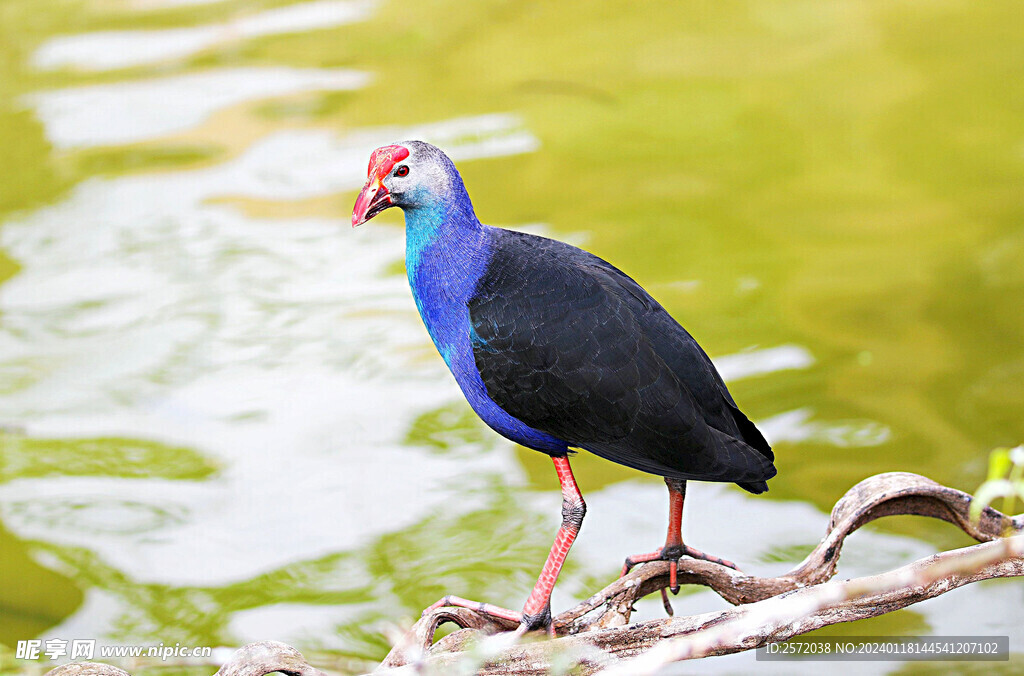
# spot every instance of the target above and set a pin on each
(999, 464)
(988, 492)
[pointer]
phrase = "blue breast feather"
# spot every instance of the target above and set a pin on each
(447, 252)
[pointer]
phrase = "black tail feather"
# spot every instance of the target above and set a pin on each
(753, 438)
(751, 435)
(754, 486)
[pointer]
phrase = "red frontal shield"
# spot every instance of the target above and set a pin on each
(374, 197)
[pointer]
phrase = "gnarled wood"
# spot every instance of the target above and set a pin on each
(893, 493)
(594, 635)
(86, 669)
(267, 657)
(646, 647)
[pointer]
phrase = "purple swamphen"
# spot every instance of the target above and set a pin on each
(555, 349)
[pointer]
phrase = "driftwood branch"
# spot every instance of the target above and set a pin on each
(595, 636)
(798, 612)
(773, 609)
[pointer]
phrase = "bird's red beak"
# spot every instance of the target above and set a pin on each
(374, 197)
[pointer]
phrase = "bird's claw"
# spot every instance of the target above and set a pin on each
(673, 554)
(666, 603)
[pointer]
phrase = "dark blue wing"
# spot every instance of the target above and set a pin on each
(571, 346)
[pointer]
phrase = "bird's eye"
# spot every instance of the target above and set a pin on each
(402, 171)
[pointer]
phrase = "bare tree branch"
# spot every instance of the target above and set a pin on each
(267, 657)
(801, 589)
(86, 669)
(594, 635)
(798, 612)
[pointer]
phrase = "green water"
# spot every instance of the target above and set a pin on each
(222, 420)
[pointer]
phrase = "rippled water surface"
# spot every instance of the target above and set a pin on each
(223, 421)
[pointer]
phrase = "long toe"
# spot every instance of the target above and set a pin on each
(698, 554)
(487, 609)
(637, 559)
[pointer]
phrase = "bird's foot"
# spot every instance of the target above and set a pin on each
(527, 622)
(673, 554)
(537, 622)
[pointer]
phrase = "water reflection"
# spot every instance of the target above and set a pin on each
(88, 513)
(136, 111)
(45, 594)
(759, 362)
(797, 426)
(124, 49)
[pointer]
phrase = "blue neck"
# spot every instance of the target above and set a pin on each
(446, 252)
(448, 223)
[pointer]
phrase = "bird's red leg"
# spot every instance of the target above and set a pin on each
(674, 548)
(537, 611)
